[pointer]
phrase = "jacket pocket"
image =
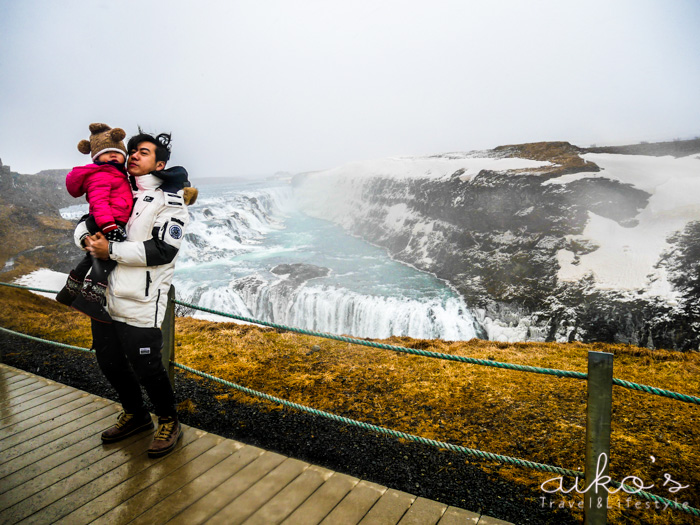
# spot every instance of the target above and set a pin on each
(130, 282)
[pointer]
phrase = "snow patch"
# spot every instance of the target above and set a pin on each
(626, 257)
(396, 216)
(571, 177)
(428, 167)
(43, 278)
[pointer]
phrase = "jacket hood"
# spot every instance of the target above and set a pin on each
(174, 179)
(171, 180)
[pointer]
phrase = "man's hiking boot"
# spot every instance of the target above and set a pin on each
(71, 290)
(166, 437)
(91, 301)
(127, 425)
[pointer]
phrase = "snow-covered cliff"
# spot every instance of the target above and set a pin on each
(545, 241)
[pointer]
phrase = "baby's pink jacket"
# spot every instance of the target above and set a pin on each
(107, 191)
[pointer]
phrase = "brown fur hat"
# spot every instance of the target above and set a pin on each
(103, 139)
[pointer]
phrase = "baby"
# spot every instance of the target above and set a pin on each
(108, 192)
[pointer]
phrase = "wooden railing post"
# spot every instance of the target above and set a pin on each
(168, 329)
(600, 374)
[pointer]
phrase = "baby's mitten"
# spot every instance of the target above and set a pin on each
(113, 232)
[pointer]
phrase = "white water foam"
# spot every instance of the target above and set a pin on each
(328, 309)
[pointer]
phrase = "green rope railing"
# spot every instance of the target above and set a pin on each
(28, 288)
(656, 391)
(395, 433)
(39, 340)
(424, 353)
(657, 499)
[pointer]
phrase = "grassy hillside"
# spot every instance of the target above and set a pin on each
(535, 417)
(30, 218)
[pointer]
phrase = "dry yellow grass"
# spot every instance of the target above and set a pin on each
(563, 156)
(530, 416)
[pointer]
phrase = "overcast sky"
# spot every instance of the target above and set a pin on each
(249, 88)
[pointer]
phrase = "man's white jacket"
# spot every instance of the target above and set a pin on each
(138, 287)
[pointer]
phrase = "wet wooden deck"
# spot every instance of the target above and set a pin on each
(55, 469)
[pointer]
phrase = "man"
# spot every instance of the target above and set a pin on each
(129, 348)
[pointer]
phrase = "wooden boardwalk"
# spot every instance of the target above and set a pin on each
(55, 469)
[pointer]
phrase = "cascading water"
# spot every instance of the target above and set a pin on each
(339, 311)
(249, 251)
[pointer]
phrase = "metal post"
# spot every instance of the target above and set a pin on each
(168, 329)
(600, 374)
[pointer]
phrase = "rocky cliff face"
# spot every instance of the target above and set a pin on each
(32, 232)
(497, 236)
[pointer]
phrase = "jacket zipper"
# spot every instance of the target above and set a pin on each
(155, 321)
(148, 281)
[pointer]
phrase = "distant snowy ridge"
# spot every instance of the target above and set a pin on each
(539, 238)
(430, 167)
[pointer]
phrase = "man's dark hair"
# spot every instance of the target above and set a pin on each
(161, 142)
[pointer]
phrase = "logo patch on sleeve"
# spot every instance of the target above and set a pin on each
(144, 351)
(175, 231)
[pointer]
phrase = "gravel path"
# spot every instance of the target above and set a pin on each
(410, 467)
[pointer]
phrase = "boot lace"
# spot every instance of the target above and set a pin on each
(166, 430)
(124, 418)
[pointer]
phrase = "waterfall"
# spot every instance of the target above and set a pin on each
(248, 252)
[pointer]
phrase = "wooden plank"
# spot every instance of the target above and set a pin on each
(135, 474)
(160, 481)
(33, 416)
(22, 388)
(201, 510)
(10, 377)
(457, 516)
(389, 509)
(18, 408)
(7, 404)
(15, 382)
(355, 504)
(54, 453)
(423, 512)
(290, 497)
(14, 377)
(256, 496)
(75, 409)
(164, 510)
(41, 439)
(30, 497)
(8, 373)
(323, 501)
